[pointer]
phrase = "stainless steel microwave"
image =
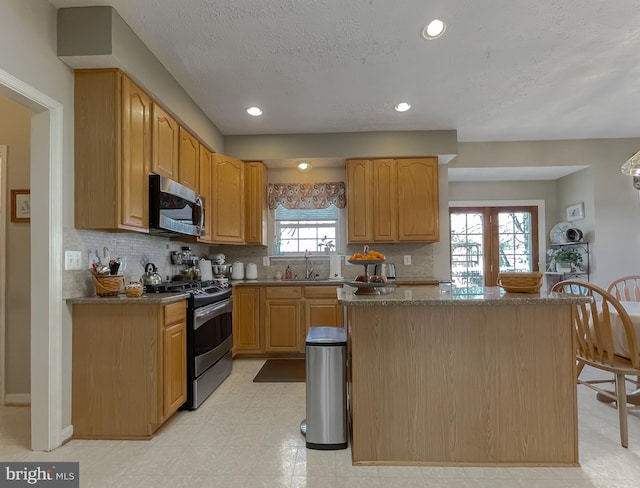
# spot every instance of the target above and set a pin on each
(174, 208)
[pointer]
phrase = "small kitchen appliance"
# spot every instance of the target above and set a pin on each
(386, 269)
(174, 209)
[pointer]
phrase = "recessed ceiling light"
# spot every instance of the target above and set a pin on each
(304, 166)
(255, 111)
(402, 107)
(434, 29)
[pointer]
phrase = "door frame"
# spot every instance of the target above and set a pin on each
(46, 181)
(3, 262)
(542, 221)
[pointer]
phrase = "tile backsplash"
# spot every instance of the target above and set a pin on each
(130, 244)
(157, 250)
(421, 260)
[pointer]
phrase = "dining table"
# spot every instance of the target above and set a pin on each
(620, 344)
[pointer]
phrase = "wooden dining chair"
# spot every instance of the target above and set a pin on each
(594, 343)
(626, 289)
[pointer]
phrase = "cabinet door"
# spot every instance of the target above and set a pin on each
(205, 191)
(174, 357)
(418, 200)
(175, 367)
(189, 159)
(246, 320)
(165, 142)
(136, 157)
(228, 199)
(359, 211)
(282, 325)
(385, 201)
(255, 228)
(322, 313)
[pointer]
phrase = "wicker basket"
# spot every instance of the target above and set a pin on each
(520, 282)
(133, 290)
(108, 286)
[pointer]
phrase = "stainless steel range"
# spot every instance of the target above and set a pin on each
(209, 337)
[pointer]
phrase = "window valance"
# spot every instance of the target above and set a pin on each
(307, 195)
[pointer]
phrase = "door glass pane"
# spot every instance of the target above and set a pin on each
(467, 252)
(514, 242)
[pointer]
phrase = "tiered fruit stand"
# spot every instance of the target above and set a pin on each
(364, 287)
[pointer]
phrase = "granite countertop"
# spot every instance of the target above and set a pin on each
(326, 282)
(433, 296)
(147, 298)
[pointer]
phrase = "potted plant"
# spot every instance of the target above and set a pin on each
(326, 244)
(565, 259)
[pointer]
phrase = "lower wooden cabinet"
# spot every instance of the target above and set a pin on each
(129, 368)
(246, 320)
(283, 318)
(174, 347)
(274, 320)
(321, 308)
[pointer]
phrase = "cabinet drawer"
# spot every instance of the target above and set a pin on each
(284, 292)
(175, 312)
(320, 292)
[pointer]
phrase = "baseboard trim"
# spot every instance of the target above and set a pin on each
(17, 399)
(66, 434)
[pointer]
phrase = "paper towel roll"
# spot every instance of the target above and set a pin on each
(206, 273)
(335, 268)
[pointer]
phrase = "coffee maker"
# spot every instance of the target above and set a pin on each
(187, 264)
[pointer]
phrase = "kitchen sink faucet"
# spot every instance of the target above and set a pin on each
(308, 265)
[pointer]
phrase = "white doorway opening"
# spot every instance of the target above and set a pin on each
(46, 260)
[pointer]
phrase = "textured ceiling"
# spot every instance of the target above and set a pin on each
(504, 70)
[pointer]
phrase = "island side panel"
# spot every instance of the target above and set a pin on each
(115, 391)
(463, 385)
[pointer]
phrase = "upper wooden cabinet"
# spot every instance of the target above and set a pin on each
(205, 169)
(385, 201)
(255, 185)
(227, 186)
(418, 197)
(189, 160)
(359, 209)
(112, 151)
(393, 200)
(166, 136)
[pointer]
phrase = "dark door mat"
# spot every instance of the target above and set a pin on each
(282, 371)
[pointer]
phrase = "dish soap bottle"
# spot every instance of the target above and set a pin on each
(288, 274)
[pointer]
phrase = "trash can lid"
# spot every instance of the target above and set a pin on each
(326, 336)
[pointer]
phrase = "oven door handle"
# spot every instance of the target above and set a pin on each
(204, 314)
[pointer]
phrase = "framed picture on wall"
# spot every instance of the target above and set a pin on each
(575, 211)
(21, 205)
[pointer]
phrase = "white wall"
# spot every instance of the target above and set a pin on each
(15, 128)
(612, 206)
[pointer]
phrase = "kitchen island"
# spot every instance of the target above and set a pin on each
(438, 379)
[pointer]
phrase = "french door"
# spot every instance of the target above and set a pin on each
(489, 240)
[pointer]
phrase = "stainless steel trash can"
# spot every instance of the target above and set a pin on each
(326, 424)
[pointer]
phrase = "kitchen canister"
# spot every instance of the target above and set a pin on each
(206, 273)
(237, 271)
(252, 271)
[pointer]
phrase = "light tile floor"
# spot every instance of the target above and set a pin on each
(247, 435)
